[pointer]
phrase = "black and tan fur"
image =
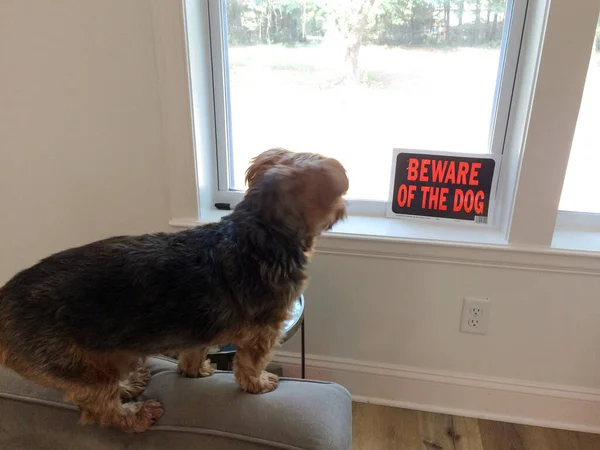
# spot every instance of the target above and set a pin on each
(83, 320)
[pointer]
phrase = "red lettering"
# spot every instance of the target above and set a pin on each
(405, 195)
(474, 173)
(479, 202)
(425, 190)
(402, 195)
(438, 170)
(463, 169)
(451, 175)
(424, 167)
(459, 198)
(413, 166)
(443, 199)
(411, 194)
(468, 203)
(434, 197)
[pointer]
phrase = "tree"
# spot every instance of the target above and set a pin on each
(304, 20)
(495, 7)
(477, 27)
(421, 18)
(461, 11)
(447, 20)
(356, 31)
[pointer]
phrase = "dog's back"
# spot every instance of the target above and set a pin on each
(146, 293)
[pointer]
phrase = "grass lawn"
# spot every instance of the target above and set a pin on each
(431, 99)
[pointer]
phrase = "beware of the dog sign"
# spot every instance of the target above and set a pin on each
(440, 185)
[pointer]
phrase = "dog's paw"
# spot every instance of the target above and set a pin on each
(141, 416)
(267, 382)
(129, 417)
(135, 383)
(194, 370)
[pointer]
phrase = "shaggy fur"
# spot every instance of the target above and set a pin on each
(83, 320)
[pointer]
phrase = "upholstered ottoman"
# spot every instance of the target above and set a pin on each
(208, 413)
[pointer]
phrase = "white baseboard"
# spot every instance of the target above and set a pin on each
(545, 405)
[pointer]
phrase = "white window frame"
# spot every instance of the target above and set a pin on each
(557, 90)
(503, 95)
(577, 220)
(572, 220)
(551, 72)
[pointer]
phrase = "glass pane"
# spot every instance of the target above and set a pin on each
(355, 78)
(580, 190)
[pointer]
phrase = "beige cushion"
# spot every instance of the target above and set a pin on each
(207, 413)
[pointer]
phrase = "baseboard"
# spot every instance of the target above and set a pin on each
(545, 405)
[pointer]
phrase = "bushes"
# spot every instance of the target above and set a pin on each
(392, 22)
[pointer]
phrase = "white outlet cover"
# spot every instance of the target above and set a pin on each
(475, 317)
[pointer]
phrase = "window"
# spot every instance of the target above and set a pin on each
(355, 78)
(508, 78)
(580, 189)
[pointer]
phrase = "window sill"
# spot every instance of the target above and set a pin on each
(577, 240)
(371, 237)
(385, 229)
(577, 231)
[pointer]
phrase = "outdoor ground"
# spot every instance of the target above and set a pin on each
(436, 99)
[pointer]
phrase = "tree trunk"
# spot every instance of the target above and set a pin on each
(412, 24)
(356, 32)
(304, 21)
(447, 20)
(494, 27)
(268, 30)
(461, 12)
(476, 30)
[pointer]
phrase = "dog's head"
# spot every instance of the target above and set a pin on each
(304, 189)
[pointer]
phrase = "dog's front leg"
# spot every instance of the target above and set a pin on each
(192, 363)
(251, 358)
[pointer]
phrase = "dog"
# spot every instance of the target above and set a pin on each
(82, 321)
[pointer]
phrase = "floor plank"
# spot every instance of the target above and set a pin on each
(549, 439)
(434, 431)
(500, 436)
(385, 428)
(466, 434)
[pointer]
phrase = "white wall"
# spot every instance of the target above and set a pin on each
(545, 326)
(81, 151)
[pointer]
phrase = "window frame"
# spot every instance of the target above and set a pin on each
(580, 220)
(514, 23)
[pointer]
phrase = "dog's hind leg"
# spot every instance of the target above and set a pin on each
(101, 404)
(192, 363)
(92, 383)
(136, 380)
(96, 389)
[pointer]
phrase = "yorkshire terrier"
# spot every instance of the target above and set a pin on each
(83, 320)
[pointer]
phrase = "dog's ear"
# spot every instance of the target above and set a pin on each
(338, 179)
(307, 193)
(260, 164)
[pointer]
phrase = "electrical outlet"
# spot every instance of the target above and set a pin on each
(475, 316)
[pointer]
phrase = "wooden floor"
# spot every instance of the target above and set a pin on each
(383, 428)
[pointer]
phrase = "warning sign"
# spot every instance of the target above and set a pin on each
(442, 185)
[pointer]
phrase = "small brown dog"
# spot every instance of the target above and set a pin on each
(83, 320)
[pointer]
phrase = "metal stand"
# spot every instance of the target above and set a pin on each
(302, 354)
